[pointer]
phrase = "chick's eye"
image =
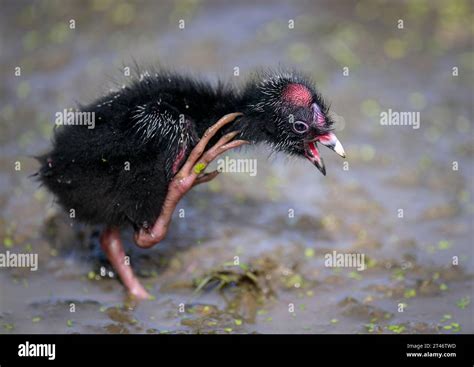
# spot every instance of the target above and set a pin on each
(300, 127)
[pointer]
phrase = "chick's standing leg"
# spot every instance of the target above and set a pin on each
(112, 246)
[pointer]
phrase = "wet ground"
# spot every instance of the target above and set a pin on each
(239, 261)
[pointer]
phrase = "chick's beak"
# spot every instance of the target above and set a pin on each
(312, 153)
(331, 141)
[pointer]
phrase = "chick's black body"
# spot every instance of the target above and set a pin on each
(119, 171)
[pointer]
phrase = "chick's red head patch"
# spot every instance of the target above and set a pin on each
(297, 94)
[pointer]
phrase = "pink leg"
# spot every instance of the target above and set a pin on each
(190, 175)
(112, 246)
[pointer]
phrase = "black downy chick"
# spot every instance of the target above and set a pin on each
(153, 139)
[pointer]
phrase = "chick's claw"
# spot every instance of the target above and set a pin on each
(191, 174)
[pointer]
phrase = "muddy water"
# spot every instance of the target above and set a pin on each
(248, 256)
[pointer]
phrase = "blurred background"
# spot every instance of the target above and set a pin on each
(365, 61)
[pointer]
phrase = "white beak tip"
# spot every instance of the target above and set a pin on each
(339, 149)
